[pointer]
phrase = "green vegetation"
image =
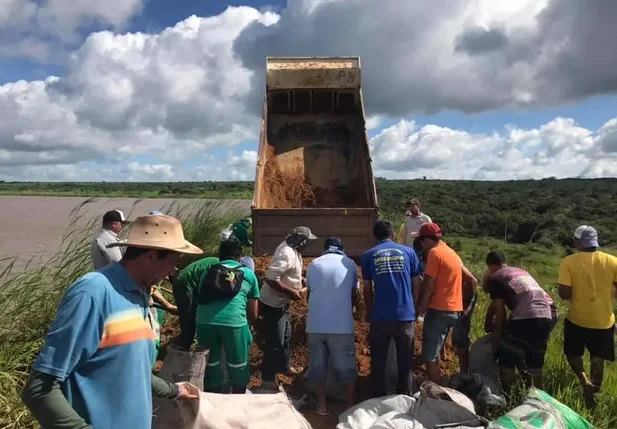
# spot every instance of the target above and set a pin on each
(205, 190)
(539, 211)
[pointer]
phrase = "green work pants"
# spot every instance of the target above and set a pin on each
(237, 343)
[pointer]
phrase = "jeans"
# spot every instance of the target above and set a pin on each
(381, 334)
(277, 350)
(337, 349)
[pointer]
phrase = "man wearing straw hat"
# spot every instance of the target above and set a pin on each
(95, 368)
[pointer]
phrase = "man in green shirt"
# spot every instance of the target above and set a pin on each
(240, 230)
(185, 287)
(222, 322)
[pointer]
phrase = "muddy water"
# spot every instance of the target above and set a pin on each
(31, 228)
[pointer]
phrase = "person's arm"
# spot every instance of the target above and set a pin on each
(428, 285)
(489, 318)
(428, 288)
(281, 262)
(355, 290)
(159, 298)
(253, 297)
(417, 270)
(564, 281)
(165, 389)
(500, 319)
(48, 405)
(498, 295)
(104, 251)
(470, 284)
(73, 338)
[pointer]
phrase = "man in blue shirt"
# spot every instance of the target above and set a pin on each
(392, 276)
(95, 369)
(332, 282)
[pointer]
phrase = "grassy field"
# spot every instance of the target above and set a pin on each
(28, 304)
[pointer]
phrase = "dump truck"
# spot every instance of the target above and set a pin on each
(313, 165)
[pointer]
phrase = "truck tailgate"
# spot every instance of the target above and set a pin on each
(353, 225)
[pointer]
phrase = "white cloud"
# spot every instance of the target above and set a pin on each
(173, 94)
(559, 148)
(469, 55)
(34, 29)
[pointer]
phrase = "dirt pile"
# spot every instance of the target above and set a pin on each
(289, 187)
(298, 311)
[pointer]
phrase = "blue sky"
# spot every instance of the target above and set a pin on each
(66, 128)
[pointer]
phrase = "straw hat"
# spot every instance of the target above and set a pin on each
(158, 232)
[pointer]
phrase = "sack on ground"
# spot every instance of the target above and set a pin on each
(479, 388)
(254, 411)
(179, 366)
(541, 411)
(221, 282)
(432, 407)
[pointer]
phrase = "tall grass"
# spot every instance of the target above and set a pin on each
(29, 299)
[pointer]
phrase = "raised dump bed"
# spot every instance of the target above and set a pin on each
(313, 166)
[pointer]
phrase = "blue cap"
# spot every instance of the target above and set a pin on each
(587, 235)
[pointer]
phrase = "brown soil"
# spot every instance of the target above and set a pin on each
(287, 179)
(299, 358)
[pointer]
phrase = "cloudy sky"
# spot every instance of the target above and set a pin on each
(155, 90)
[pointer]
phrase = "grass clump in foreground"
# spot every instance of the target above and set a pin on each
(28, 303)
(29, 300)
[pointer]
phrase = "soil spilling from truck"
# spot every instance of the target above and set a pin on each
(312, 163)
(299, 352)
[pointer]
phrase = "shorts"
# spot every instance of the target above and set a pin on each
(339, 349)
(599, 342)
(461, 329)
(436, 326)
(524, 342)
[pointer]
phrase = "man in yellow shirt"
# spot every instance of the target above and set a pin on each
(587, 280)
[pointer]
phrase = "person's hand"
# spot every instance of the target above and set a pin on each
(296, 294)
(172, 309)
(187, 392)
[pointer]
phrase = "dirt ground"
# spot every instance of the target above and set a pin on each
(295, 386)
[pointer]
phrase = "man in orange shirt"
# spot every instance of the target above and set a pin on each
(441, 301)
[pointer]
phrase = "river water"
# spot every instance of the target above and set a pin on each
(32, 228)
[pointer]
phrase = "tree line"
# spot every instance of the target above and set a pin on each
(540, 211)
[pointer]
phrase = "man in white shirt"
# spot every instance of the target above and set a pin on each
(113, 222)
(283, 283)
(413, 222)
(332, 283)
